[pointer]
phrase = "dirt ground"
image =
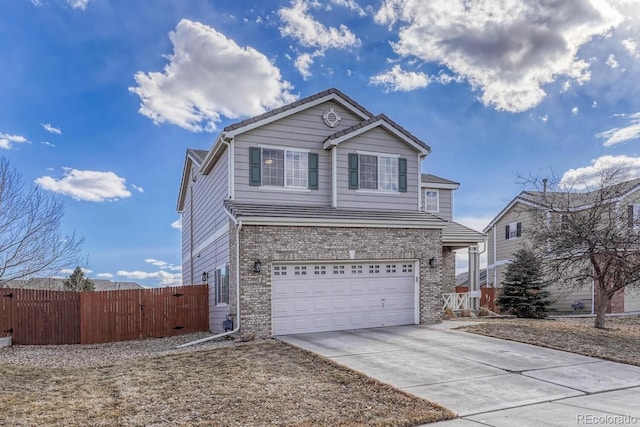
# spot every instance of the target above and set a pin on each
(619, 342)
(263, 383)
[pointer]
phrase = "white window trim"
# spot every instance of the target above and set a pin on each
(378, 155)
(215, 291)
(437, 199)
(284, 186)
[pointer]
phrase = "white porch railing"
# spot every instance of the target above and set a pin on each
(456, 302)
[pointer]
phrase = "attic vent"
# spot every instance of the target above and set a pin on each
(331, 118)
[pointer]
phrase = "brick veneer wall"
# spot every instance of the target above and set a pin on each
(448, 270)
(283, 243)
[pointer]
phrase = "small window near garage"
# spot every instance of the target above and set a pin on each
(221, 284)
(407, 268)
(431, 201)
(391, 268)
(320, 269)
(338, 269)
(374, 269)
(356, 269)
(279, 270)
(513, 230)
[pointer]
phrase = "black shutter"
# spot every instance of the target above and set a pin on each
(255, 173)
(519, 229)
(402, 175)
(506, 232)
(353, 171)
(313, 170)
(630, 217)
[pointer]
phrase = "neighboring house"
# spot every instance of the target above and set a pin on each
(57, 284)
(507, 233)
(318, 213)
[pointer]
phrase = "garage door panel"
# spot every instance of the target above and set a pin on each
(323, 297)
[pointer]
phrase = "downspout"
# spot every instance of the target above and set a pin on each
(495, 273)
(191, 231)
(238, 224)
(593, 296)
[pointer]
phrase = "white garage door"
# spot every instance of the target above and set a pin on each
(329, 297)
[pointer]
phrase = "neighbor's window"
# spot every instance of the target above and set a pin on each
(513, 230)
(431, 201)
(286, 168)
(221, 284)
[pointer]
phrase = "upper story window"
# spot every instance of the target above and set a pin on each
(431, 201)
(634, 215)
(513, 230)
(283, 167)
(380, 172)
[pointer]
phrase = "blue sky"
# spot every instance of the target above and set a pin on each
(100, 99)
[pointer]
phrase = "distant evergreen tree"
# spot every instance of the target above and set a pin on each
(77, 282)
(523, 289)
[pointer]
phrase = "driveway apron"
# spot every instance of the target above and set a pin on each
(487, 381)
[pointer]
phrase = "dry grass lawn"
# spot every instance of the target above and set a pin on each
(619, 342)
(264, 383)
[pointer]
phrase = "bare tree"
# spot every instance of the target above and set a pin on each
(587, 232)
(30, 240)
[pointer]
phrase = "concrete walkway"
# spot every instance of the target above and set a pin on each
(487, 381)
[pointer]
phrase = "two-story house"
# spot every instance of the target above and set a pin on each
(314, 217)
(507, 233)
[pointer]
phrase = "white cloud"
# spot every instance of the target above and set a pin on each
(177, 224)
(303, 63)
(618, 135)
(594, 105)
(163, 264)
(104, 275)
(544, 118)
(6, 140)
(138, 189)
(351, 5)
(92, 186)
(47, 143)
(575, 111)
(166, 278)
(589, 176)
(508, 50)
(51, 129)
(611, 61)
(78, 4)
(397, 79)
(298, 24)
(631, 47)
(209, 76)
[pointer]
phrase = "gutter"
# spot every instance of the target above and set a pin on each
(238, 224)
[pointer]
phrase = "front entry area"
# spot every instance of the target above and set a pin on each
(318, 297)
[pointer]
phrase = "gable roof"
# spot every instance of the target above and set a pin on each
(193, 157)
(576, 200)
(381, 120)
(429, 180)
(287, 110)
(458, 235)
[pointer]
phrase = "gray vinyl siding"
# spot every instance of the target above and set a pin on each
(208, 192)
(444, 202)
(377, 140)
(303, 130)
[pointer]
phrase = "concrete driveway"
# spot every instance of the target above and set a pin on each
(487, 381)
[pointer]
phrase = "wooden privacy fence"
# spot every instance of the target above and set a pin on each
(63, 317)
(487, 296)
